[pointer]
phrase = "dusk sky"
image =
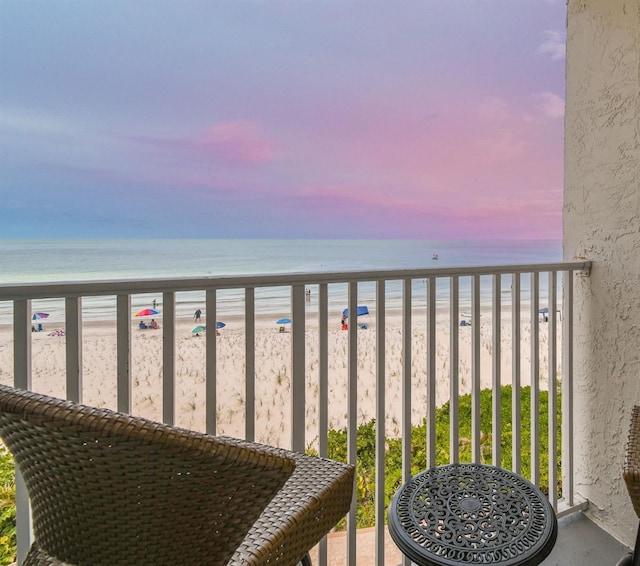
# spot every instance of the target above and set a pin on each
(434, 119)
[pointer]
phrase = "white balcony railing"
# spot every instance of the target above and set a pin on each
(500, 300)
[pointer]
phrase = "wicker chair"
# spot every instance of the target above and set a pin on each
(109, 488)
(631, 475)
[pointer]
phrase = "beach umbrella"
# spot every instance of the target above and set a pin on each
(147, 312)
(545, 312)
(220, 324)
(360, 310)
(39, 315)
(283, 321)
(59, 332)
(199, 329)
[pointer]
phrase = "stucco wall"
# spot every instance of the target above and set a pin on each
(602, 222)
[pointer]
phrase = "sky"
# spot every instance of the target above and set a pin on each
(426, 119)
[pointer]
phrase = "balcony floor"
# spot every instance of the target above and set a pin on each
(580, 543)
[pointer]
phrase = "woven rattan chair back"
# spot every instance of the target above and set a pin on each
(631, 475)
(631, 472)
(109, 488)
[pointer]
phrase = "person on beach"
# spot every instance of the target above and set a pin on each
(197, 315)
(154, 324)
(154, 303)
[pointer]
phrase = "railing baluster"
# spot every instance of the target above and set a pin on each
(298, 378)
(380, 421)
(211, 374)
(123, 332)
(535, 380)
(406, 380)
(73, 347)
(431, 372)
(22, 344)
(323, 391)
(168, 357)
(250, 363)
(323, 369)
(476, 447)
(516, 413)
(567, 389)
(352, 415)
(496, 355)
(553, 393)
(454, 370)
(22, 380)
(406, 386)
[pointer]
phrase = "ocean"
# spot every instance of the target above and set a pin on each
(30, 261)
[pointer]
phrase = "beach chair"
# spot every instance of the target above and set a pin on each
(631, 475)
(110, 488)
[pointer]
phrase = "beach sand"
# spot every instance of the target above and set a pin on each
(273, 370)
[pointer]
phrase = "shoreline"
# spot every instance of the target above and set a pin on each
(263, 320)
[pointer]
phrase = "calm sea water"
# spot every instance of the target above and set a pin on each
(24, 261)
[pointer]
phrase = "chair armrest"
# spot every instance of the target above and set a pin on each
(316, 496)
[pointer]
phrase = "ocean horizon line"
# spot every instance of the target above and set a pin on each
(46, 261)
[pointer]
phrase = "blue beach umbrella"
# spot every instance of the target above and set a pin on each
(545, 312)
(220, 324)
(283, 321)
(361, 310)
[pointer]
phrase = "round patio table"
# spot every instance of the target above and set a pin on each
(472, 514)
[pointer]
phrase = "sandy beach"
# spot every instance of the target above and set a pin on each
(273, 373)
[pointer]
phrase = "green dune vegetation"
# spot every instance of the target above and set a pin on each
(365, 473)
(7, 508)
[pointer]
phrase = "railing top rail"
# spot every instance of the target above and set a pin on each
(10, 292)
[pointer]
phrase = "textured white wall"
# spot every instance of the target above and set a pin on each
(602, 222)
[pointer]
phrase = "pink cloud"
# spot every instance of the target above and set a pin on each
(346, 206)
(494, 109)
(454, 148)
(551, 104)
(554, 44)
(502, 145)
(232, 143)
(236, 142)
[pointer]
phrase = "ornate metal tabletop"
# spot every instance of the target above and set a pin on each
(472, 514)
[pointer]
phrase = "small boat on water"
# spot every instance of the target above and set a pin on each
(435, 256)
